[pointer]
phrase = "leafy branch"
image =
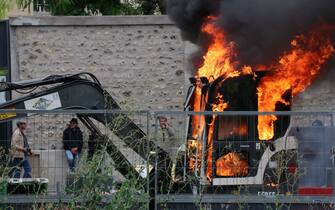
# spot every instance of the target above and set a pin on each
(4, 7)
(98, 7)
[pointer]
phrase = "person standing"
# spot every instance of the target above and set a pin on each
(72, 142)
(167, 130)
(178, 157)
(20, 152)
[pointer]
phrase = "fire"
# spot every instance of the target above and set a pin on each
(228, 128)
(194, 155)
(232, 164)
(241, 131)
(198, 124)
(220, 59)
(198, 121)
(220, 106)
(295, 71)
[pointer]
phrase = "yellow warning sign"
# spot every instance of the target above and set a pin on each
(4, 116)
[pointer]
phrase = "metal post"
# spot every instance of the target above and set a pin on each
(156, 160)
(148, 158)
(5, 70)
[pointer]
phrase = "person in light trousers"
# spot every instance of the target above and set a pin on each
(72, 142)
(20, 151)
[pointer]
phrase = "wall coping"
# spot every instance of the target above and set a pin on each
(89, 20)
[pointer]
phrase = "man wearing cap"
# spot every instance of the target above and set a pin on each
(72, 142)
(20, 151)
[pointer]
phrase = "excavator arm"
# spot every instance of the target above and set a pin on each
(84, 91)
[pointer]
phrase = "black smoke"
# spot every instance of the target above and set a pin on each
(189, 15)
(261, 29)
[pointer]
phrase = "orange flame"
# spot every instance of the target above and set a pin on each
(296, 70)
(220, 59)
(193, 154)
(198, 124)
(219, 107)
(198, 120)
(232, 164)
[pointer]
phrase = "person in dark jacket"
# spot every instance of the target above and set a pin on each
(72, 142)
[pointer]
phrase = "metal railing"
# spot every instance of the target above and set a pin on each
(273, 172)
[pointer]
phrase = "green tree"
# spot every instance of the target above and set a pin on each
(104, 7)
(149, 7)
(4, 7)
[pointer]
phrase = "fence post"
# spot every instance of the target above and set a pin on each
(148, 158)
(156, 160)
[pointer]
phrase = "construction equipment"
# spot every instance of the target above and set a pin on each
(225, 153)
(84, 91)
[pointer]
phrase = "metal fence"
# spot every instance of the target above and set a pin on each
(179, 160)
(246, 172)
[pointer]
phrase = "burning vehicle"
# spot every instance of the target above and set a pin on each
(229, 150)
(225, 149)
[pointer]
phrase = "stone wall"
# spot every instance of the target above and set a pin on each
(320, 96)
(139, 60)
